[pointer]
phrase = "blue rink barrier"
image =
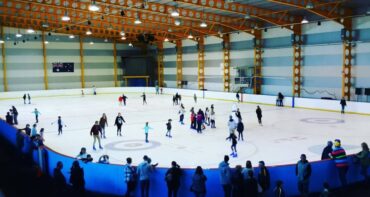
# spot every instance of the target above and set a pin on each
(109, 178)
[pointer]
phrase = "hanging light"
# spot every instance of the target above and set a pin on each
(123, 38)
(203, 24)
(106, 40)
(175, 13)
(45, 24)
(190, 36)
(1, 41)
(93, 7)
(65, 17)
(46, 42)
(304, 20)
(137, 21)
(30, 31)
(91, 43)
(247, 16)
(177, 22)
(130, 44)
(88, 32)
(122, 33)
(309, 5)
(18, 34)
(71, 36)
(166, 39)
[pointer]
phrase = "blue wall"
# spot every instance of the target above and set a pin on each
(109, 178)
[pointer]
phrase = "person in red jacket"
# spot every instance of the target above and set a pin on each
(95, 131)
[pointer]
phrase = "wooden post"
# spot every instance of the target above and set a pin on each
(44, 59)
(82, 63)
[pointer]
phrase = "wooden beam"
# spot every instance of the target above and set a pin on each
(160, 64)
(5, 80)
(46, 86)
(179, 63)
(201, 63)
(82, 63)
(226, 68)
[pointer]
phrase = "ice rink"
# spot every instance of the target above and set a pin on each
(286, 132)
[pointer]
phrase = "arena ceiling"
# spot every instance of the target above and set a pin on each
(156, 20)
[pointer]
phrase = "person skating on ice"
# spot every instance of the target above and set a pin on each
(182, 112)
(29, 98)
(60, 125)
(34, 131)
(259, 115)
(169, 127)
(240, 129)
(37, 113)
(193, 118)
(94, 89)
(195, 98)
(212, 117)
(238, 115)
(199, 122)
(95, 131)
(118, 122)
(24, 98)
(144, 98)
(234, 142)
(207, 119)
(343, 104)
(237, 96)
(103, 122)
(146, 130)
(124, 98)
(232, 125)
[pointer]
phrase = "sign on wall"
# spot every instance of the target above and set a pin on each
(63, 67)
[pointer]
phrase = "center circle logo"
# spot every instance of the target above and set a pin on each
(132, 145)
(322, 120)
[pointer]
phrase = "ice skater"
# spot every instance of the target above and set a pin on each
(182, 112)
(124, 98)
(95, 131)
(231, 124)
(192, 119)
(37, 113)
(29, 98)
(169, 127)
(146, 130)
(199, 122)
(259, 114)
(94, 89)
(343, 103)
(213, 119)
(195, 98)
(24, 98)
(60, 125)
(237, 96)
(119, 121)
(206, 114)
(82, 93)
(161, 90)
(103, 122)
(240, 130)
(234, 142)
(15, 115)
(156, 89)
(144, 98)
(120, 100)
(238, 115)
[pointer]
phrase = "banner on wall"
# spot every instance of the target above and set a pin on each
(63, 67)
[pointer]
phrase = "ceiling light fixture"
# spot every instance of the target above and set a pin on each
(88, 32)
(65, 17)
(177, 22)
(93, 7)
(130, 44)
(123, 38)
(309, 5)
(203, 24)
(71, 36)
(1, 41)
(30, 31)
(166, 39)
(247, 16)
(190, 36)
(18, 34)
(122, 33)
(175, 13)
(91, 43)
(106, 40)
(137, 21)
(46, 42)
(304, 20)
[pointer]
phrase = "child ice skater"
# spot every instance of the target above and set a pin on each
(146, 130)
(60, 125)
(195, 98)
(169, 127)
(144, 98)
(119, 121)
(182, 112)
(213, 119)
(103, 122)
(37, 113)
(234, 142)
(259, 115)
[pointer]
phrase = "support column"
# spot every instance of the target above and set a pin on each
(82, 63)
(347, 63)
(115, 63)
(5, 81)
(160, 65)
(257, 77)
(297, 42)
(226, 48)
(201, 63)
(46, 86)
(179, 63)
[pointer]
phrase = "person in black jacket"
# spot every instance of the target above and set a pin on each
(77, 179)
(144, 98)
(95, 131)
(24, 98)
(15, 115)
(9, 118)
(237, 182)
(263, 177)
(169, 127)
(119, 121)
(172, 179)
(27, 129)
(343, 103)
(240, 129)
(259, 115)
(327, 151)
(198, 185)
(59, 180)
(251, 185)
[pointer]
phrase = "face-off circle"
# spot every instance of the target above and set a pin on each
(322, 120)
(132, 145)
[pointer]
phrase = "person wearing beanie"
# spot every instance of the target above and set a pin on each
(327, 151)
(340, 159)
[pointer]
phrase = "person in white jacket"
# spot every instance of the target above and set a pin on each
(232, 125)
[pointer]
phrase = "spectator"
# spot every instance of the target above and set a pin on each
(279, 100)
(340, 160)
(248, 167)
(279, 190)
(59, 180)
(82, 154)
(172, 178)
(327, 151)
(198, 186)
(33, 131)
(130, 177)
(263, 177)
(87, 159)
(237, 182)
(325, 192)
(251, 185)
(104, 159)
(9, 118)
(77, 179)
(20, 140)
(364, 157)
(225, 176)
(343, 104)
(15, 115)
(27, 129)
(303, 173)
(144, 170)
